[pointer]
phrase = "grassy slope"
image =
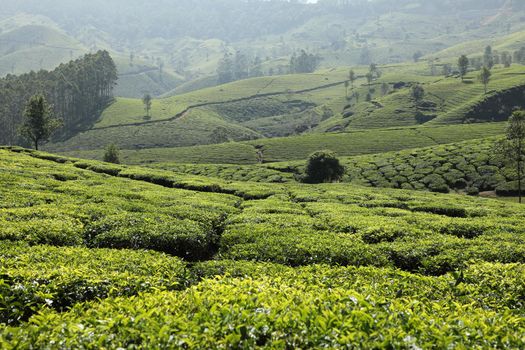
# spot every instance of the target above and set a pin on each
(34, 47)
(299, 147)
(451, 99)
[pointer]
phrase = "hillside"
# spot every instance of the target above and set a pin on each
(304, 104)
(35, 46)
(300, 147)
(250, 253)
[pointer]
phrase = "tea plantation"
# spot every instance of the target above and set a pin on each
(94, 255)
(470, 167)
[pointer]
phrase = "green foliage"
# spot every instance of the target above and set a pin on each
(512, 148)
(455, 262)
(39, 124)
(283, 308)
(323, 166)
(304, 62)
(76, 107)
(484, 77)
(32, 278)
(147, 101)
(463, 63)
(112, 154)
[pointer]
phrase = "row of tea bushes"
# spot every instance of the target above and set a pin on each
(33, 277)
(414, 231)
(313, 307)
(230, 172)
(45, 202)
(471, 167)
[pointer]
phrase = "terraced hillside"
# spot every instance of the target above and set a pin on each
(271, 264)
(302, 104)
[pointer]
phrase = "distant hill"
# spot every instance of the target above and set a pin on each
(35, 47)
(188, 41)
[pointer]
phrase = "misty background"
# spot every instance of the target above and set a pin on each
(168, 47)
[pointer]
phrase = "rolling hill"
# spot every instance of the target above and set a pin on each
(304, 104)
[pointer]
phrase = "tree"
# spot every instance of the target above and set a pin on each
(506, 59)
(352, 77)
(39, 124)
(147, 101)
(446, 70)
(304, 63)
(488, 57)
(385, 88)
(484, 77)
(374, 70)
(112, 154)
(77, 91)
(225, 69)
(512, 147)
(369, 78)
(463, 66)
(323, 166)
(418, 93)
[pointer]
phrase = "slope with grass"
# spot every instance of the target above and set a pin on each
(34, 47)
(302, 104)
(272, 269)
(353, 143)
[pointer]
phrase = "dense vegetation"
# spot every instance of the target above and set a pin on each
(78, 92)
(330, 193)
(471, 167)
(407, 268)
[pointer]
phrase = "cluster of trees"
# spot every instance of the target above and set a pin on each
(237, 67)
(77, 92)
(304, 62)
(483, 64)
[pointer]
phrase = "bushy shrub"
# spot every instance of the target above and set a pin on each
(112, 154)
(323, 166)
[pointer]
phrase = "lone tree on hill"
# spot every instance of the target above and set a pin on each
(352, 77)
(484, 77)
(463, 63)
(385, 88)
(323, 166)
(146, 100)
(112, 154)
(418, 93)
(512, 147)
(369, 78)
(39, 124)
(488, 57)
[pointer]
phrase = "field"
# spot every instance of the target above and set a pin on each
(468, 167)
(159, 258)
(357, 142)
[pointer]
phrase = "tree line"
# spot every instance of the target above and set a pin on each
(77, 92)
(238, 66)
